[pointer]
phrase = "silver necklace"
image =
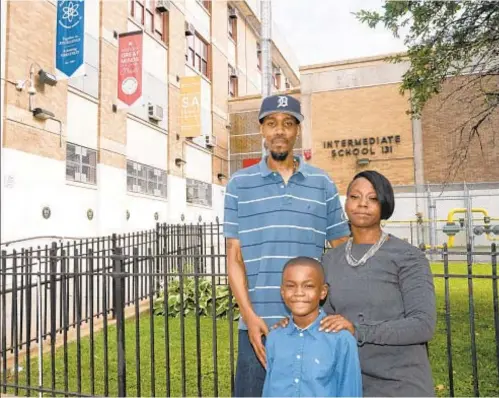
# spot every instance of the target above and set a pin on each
(371, 252)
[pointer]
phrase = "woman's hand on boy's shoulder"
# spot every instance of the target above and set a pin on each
(335, 323)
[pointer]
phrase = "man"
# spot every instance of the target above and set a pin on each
(276, 210)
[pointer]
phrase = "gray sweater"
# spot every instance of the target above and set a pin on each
(391, 301)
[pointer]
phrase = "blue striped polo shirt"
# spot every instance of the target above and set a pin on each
(275, 222)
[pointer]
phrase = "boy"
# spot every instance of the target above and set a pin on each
(301, 360)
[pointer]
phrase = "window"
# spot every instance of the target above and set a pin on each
(197, 54)
(155, 22)
(145, 179)
(232, 82)
(81, 164)
(276, 77)
(232, 23)
(198, 192)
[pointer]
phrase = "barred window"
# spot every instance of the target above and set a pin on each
(198, 192)
(81, 164)
(145, 179)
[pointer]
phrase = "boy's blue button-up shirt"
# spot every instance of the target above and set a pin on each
(309, 363)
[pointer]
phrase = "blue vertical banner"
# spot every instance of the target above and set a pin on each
(69, 38)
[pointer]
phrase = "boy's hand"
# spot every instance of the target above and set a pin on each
(335, 323)
(281, 324)
(256, 328)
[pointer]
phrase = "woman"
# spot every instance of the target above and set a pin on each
(381, 290)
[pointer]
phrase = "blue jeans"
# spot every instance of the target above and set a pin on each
(250, 374)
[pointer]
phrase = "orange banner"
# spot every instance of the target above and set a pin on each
(190, 106)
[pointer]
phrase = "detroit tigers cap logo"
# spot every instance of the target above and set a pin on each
(282, 102)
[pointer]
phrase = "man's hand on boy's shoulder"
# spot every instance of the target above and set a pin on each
(281, 324)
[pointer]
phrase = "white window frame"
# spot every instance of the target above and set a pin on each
(143, 176)
(198, 192)
(81, 152)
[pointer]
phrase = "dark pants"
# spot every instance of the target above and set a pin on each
(250, 374)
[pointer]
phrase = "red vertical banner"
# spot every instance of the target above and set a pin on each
(129, 68)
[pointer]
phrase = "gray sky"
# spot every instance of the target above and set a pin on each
(325, 30)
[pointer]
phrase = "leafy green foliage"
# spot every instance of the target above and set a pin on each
(206, 293)
(447, 39)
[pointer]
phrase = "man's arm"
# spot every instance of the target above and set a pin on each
(237, 271)
(237, 278)
(336, 242)
(337, 230)
(235, 263)
(238, 284)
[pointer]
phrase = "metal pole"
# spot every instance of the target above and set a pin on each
(432, 205)
(40, 337)
(266, 46)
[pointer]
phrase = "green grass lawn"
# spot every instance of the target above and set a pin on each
(460, 327)
(175, 366)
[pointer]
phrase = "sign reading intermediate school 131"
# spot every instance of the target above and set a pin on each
(70, 35)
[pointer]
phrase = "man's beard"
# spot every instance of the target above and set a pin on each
(279, 156)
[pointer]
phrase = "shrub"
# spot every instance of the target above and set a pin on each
(205, 298)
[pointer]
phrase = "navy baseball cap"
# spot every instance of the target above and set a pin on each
(280, 104)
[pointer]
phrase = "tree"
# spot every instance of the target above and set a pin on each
(447, 39)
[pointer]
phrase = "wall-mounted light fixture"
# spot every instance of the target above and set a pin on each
(47, 78)
(42, 114)
(179, 161)
(221, 176)
(363, 161)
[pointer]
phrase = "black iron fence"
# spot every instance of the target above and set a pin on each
(65, 308)
(151, 313)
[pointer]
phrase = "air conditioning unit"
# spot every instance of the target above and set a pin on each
(163, 5)
(258, 48)
(210, 141)
(155, 112)
(232, 13)
(287, 85)
(189, 29)
(277, 71)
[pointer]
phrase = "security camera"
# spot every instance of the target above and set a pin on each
(31, 90)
